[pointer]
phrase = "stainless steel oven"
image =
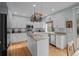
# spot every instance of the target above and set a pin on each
(29, 27)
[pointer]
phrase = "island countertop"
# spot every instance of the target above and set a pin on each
(42, 35)
(52, 33)
(38, 35)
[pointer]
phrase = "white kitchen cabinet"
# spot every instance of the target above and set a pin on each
(38, 46)
(43, 47)
(8, 39)
(39, 24)
(32, 46)
(17, 37)
(61, 41)
(52, 39)
(69, 34)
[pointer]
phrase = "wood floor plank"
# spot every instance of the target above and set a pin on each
(20, 49)
(54, 51)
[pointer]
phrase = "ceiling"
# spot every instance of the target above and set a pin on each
(26, 8)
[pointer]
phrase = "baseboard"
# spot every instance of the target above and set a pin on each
(52, 44)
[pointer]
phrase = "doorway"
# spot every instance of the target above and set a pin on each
(3, 34)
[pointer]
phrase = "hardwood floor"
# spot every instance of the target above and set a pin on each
(54, 51)
(20, 49)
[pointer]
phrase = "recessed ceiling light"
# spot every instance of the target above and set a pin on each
(46, 14)
(24, 14)
(34, 5)
(52, 9)
(15, 12)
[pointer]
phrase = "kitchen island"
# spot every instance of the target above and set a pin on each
(38, 43)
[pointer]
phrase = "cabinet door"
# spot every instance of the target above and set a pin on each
(42, 47)
(60, 41)
(53, 40)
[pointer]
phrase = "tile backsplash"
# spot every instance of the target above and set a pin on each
(60, 29)
(16, 30)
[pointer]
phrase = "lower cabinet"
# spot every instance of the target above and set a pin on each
(38, 47)
(60, 41)
(17, 37)
(53, 39)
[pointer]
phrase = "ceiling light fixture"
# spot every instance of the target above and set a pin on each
(36, 15)
(34, 5)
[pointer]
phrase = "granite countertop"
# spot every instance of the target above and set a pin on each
(60, 33)
(56, 33)
(43, 35)
(38, 35)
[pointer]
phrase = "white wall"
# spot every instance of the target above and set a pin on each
(59, 20)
